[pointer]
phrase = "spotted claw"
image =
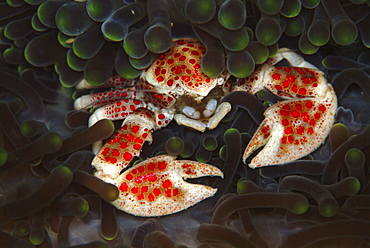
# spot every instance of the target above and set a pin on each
(156, 186)
(291, 130)
(296, 127)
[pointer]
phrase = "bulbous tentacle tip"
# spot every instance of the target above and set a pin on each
(156, 186)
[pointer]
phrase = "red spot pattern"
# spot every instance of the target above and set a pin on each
(182, 67)
(295, 80)
(149, 180)
(125, 144)
(164, 100)
(122, 108)
(188, 169)
(117, 81)
(111, 97)
(299, 120)
(266, 131)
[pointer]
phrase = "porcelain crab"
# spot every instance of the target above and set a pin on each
(174, 87)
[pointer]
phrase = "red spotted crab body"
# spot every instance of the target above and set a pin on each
(174, 87)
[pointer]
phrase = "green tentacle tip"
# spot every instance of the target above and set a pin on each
(222, 152)
(318, 35)
(36, 239)
(211, 70)
(209, 143)
(354, 184)
(340, 125)
(355, 157)
(262, 95)
(202, 155)
(174, 146)
(108, 236)
(244, 186)
(232, 14)
(22, 228)
(232, 131)
(114, 30)
(328, 207)
(158, 39)
(134, 48)
(26, 128)
(72, 19)
(213, 61)
(295, 26)
(291, 8)
(238, 41)
(54, 142)
(31, 128)
(3, 156)
(80, 207)
(240, 64)
(344, 32)
(63, 171)
(306, 47)
(34, 2)
(65, 40)
(268, 31)
(189, 149)
(259, 52)
(300, 206)
(200, 11)
(99, 10)
(109, 192)
(270, 7)
(310, 4)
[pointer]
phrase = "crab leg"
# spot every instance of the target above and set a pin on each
(126, 143)
(108, 97)
(117, 110)
(115, 81)
(294, 128)
(155, 187)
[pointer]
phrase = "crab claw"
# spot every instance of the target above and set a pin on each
(292, 129)
(155, 187)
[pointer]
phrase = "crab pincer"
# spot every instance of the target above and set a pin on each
(156, 186)
(296, 127)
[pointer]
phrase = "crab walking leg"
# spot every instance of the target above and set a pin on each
(296, 127)
(126, 143)
(109, 97)
(115, 81)
(155, 187)
(114, 111)
(117, 110)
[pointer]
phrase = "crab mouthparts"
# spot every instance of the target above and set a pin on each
(201, 109)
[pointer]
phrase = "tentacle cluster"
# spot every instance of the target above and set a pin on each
(77, 37)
